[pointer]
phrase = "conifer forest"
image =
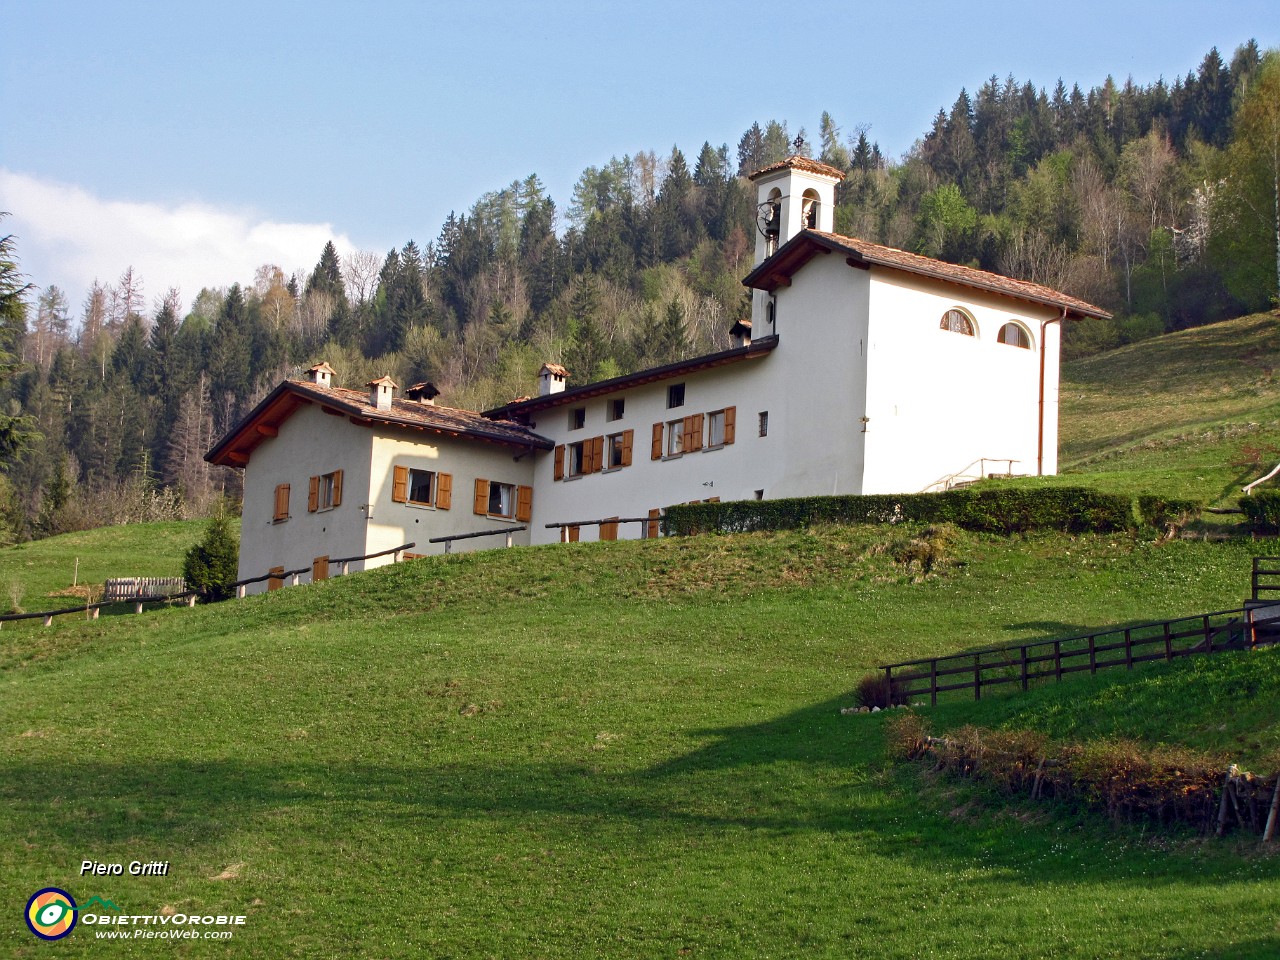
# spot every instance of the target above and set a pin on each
(1156, 202)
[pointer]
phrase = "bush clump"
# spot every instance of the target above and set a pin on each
(1262, 508)
(210, 566)
(1070, 509)
(1168, 515)
(873, 690)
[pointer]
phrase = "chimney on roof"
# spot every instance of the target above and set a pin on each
(422, 393)
(381, 392)
(551, 379)
(321, 374)
(740, 333)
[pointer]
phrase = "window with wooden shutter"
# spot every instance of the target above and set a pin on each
(559, 475)
(319, 569)
(656, 452)
(628, 438)
(277, 578)
(337, 488)
(652, 528)
(609, 529)
(481, 505)
(282, 502)
(313, 495)
(524, 503)
(730, 424)
(399, 484)
(444, 491)
(693, 432)
(597, 454)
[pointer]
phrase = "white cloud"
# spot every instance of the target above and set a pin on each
(69, 237)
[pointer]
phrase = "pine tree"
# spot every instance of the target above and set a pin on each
(210, 565)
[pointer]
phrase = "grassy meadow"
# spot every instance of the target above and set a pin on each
(635, 749)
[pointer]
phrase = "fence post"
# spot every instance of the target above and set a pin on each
(345, 565)
(448, 547)
(241, 590)
(1057, 660)
(48, 620)
(977, 676)
(1208, 635)
(1168, 643)
(1128, 649)
(1024, 667)
(191, 602)
(509, 538)
(395, 558)
(1093, 654)
(888, 687)
(93, 615)
(137, 607)
(933, 682)
(294, 580)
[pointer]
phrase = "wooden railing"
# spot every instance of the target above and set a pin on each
(1024, 663)
(294, 575)
(964, 476)
(448, 541)
(1266, 578)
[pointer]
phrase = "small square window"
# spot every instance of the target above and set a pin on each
(616, 408)
(764, 423)
(577, 418)
(675, 396)
(759, 494)
(421, 487)
(675, 438)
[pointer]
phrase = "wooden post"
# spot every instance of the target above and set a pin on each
(888, 687)
(448, 547)
(1208, 635)
(933, 682)
(48, 620)
(240, 591)
(1222, 807)
(345, 564)
(1270, 831)
(93, 614)
(1024, 667)
(395, 557)
(1128, 649)
(509, 538)
(977, 676)
(191, 600)
(293, 580)
(1093, 654)
(1168, 643)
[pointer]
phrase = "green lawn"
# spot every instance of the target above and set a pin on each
(625, 750)
(34, 573)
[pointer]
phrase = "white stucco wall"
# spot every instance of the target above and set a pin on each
(309, 443)
(732, 472)
(391, 524)
(937, 400)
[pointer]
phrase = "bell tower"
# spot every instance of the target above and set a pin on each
(794, 195)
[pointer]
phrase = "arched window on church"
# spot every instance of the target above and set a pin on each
(809, 209)
(957, 321)
(1015, 335)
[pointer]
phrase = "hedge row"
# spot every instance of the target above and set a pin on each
(1071, 509)
(1263, 510)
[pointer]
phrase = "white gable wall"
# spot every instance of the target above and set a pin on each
(392, 524)
(310, 443)
(937, 400)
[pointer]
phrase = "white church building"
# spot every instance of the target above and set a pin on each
(863, 369)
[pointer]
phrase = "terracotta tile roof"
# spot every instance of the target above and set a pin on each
(265, 419)
(556, 369)
(801, 248)
(795, 162)
(321, 366)
(522, 408)
(381, 380)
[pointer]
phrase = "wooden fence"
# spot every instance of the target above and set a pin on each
(1024, 663)
(131, 588)
(1266, 578)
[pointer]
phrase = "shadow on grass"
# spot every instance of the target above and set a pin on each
(809, 771)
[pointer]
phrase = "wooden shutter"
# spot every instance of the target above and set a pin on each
(313, 495)
(693, 432)
(597, 456)
(277, 578)
(574, 533)
(337, 488)
(444, 491)
(730, 424)
(559, 462)
(524, 503)
(628, 436)
(481, 505)
(656, 452)
(282, 502)
(399, 484)
(609, 529)
(319, 569)
(655, 522)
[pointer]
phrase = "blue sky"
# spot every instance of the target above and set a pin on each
(197, 141)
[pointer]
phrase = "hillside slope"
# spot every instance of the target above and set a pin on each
(616, 749)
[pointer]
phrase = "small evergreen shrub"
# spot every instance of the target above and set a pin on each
(873, 691)
(1004, 511)
(1168, 515)
(210, 566)
(1262, 507)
